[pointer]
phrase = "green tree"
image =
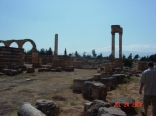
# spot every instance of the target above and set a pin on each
(99, 56)
(29, 52)
(130, 56)
(123, 57)
(76, 54)
(65, 52)
(42, 51)
(110, 56)
(94, 53)
(143, 58)
(46, 52)
(50, 52)
(70, 54)
(84, 54)
(136, 57)
(88, 56)
(128, 62)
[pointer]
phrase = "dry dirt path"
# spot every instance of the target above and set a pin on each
(56, 86)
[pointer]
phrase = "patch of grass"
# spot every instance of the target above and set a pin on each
(72, 103)
(61, 109)
(131, 79)
(46, 97)
(126, 80)
(71, 87)
(59, 98)
(134, 79)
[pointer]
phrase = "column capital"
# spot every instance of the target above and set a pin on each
(113, 33)
(120, 33)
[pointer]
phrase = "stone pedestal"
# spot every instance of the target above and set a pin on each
(48, 107)
(78, 83)
(35, 60)
(28, 110)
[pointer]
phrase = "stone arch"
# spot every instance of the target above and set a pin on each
(9, 42)
(21, 43)
(1, 41)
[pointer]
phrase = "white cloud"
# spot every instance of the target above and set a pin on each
(133, 47)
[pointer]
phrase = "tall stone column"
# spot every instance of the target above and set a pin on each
(56, 45)
(120, 46)
(113, 46)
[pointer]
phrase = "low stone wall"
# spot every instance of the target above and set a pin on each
(94, 90)
(78, 83)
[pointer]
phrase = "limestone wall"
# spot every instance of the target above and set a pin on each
(11, 56)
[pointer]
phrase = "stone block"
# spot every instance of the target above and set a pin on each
(1, 68)
(48, 107)
(110, 82)
(6, 71)
(104, 74)
(111, 111)
(78, 83)
(125, 103)
(43, 70)
(69, 68)
(97, 76)
(30, 70)
(92, 109)
(119, 77)
(94, 90)
(13, 72)
(58, 69)
(28, 110)
(86, 106)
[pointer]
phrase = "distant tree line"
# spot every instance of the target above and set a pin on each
(42, 51)
(127, 61)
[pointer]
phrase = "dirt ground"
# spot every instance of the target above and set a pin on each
(56, 86)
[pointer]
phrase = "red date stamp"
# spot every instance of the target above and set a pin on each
(127, 104)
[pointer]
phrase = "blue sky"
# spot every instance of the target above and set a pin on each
(81, 25)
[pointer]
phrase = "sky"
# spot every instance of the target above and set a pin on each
(81, 25)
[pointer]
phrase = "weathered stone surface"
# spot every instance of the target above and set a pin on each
(86, 106)
(125, 103)
(110, 82)
(97, 76)
(48, 107)
(28, 110)
(53, 70)
(1, 68)
(43, 69)
(58, 69)
(13, 72)
(111, 111)
(23, 67)
(104, 74)
(94, 90)
(94, 107)
(99, 91)
(78, 83)
(6, 71)
(30, 70)
(69, 68)
(119, 77)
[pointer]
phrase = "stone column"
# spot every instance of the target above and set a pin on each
(120, 46)
(113, 45)
(56, 45)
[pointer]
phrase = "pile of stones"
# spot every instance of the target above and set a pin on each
(103, 108)
(57, 69)
(42, 108)
(110, 81)
(13, 70)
